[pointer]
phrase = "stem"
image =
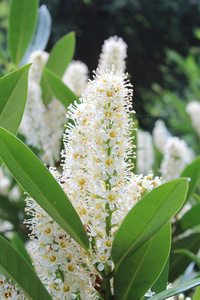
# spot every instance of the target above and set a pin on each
(108, 219)
(106, 290)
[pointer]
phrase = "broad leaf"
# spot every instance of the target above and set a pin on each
(149, 215)
(192, 171)
(179, 262)
(36, 179)
(60, 56)
(136, 274)
(58, 88)
(13, 91)
(177, 289)
(22, 22)
(41, 34)
(17, 268)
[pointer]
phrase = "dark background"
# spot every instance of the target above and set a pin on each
(149, 27)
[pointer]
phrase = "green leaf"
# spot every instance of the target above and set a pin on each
(177, 289)
(58, 88)
(162, 281)
(189, 220)
(60, 56)
(41, 34)
(136, 274)
(192, 171)
(13, 91)
(197, 294)
(18, 269)
(36, 179)
(19, 245)
(178, 262)
(22, 22)
(149, 215)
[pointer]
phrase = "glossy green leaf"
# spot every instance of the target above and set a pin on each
(179, 262)
(197, 294)
(189, 220)
(41, 34)
(58, 88)
(149, 215)
(177, 289)
(136, 274)
(22, 22)
(36, 179)
(18, 244)
(192, 171)
(18, 269)
(60, 56)
(13, 91)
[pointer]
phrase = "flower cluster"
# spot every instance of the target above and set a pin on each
(8, 291)
(57, 258)
(145, 152)
(193, 109)
(160, 135)
(43, 126)
(76, 77)
(98, 178)
(113, 54)
(177, 156)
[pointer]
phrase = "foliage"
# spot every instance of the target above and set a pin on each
(98, 230)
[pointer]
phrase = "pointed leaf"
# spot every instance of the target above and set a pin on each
(177, 289)
(136, 274)
(18, 269)
(149, 215)
(60, 56)
(192, 171)
(58, 88)
(13, 91)
(41, 34)
(22, 22)
(36, 179)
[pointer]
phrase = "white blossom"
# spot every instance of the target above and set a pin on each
(160, 135)
(8, 291)
(145, 152)
(113, 54)
(42, 125)
(98, 178)
(177, 155)
(193, 109)
(76, 77)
